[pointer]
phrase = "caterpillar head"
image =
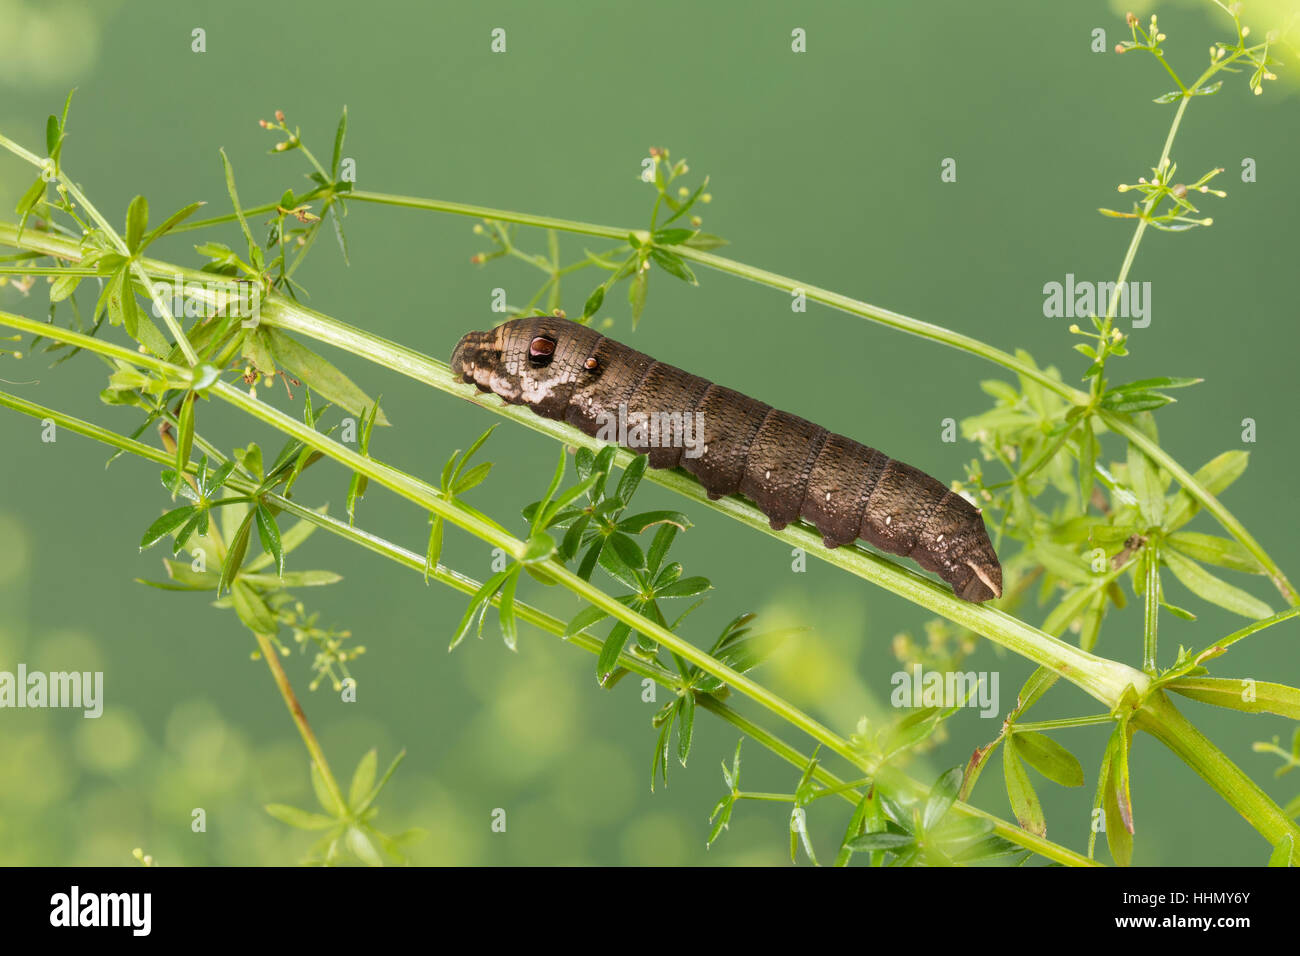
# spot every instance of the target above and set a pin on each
(537, 361)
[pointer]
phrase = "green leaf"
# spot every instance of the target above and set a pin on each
(1136, 401)
(53, 133)
(585, 618)
(185, 433)
(30, 198)
(363, 778)
(1212, 549)
(659, 761)
(1146, 486)
(235, 554)
(682, 209)
(328, 802)
(636, 295)
(1215, 590)
(671, 237)
(627, 485)
(170, 223)
(636, 524)
(292, 579)
(1116, 800)
(1251, 696)
(63, 287)
(539, 547)
(1049, 758)
(1149, 383)
(322, 377)
(720, 817)
(450, 475)
(299, 818)
(674, 265)
(254, 250)
(941, 798)
(1214, 476)
(706, 241)
(1024, 801)
(252, 610)
(362, 848)
(166, 525)
(685, 726)
(506, 607)
(594, 302)
(684, 588)
(611, 649)
(137, 219)
(269, 533)
(881, 841)
(629, 553)
(478, 604)
(1172, 96)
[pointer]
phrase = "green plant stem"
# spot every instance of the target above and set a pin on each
(866, 310)
(1103, 679)
(1160, 718)
(1151, 607)
(299, 718)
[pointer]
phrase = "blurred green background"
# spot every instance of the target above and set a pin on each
(824, 166)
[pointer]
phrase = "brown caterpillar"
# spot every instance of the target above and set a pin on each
(789, 467)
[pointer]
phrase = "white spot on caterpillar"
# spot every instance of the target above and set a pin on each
(828, 496)
(768, 473)
(939, 540)
(888, 519)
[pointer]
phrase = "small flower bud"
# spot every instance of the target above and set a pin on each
(279, 115)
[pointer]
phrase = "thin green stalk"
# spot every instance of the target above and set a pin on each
(299, 718)
(1151, 607)
(1160, 718)
(866, 310)
(1106, 680)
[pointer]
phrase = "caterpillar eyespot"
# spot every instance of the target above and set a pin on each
(789, 467)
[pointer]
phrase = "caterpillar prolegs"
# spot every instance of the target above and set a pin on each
(789, 467)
